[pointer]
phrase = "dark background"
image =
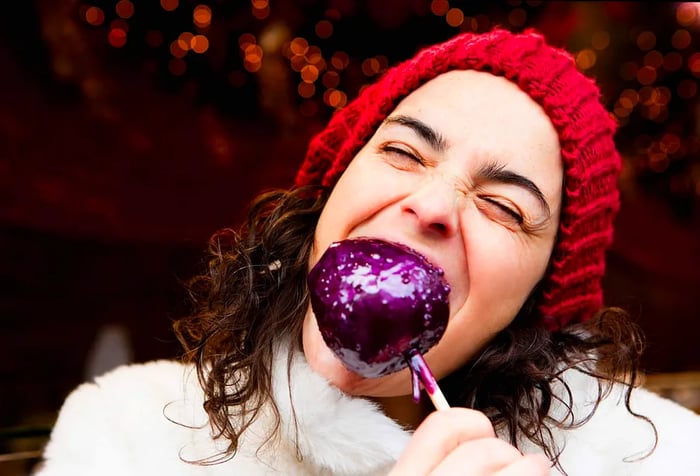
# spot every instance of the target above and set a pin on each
(124, 144)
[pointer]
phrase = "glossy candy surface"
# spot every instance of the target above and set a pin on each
(376, 301)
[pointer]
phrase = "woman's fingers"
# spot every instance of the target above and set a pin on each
(460, 441)
(486, 457)
(439, 434)
(535, 465)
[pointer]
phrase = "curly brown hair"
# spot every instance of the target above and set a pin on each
(254, 292)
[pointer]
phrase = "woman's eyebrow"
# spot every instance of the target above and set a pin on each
(427, 133)
(495, 172)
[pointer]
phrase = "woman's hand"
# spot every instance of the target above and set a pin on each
(460, 441)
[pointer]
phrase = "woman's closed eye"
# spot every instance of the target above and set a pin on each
(401, 153)
(501, 211)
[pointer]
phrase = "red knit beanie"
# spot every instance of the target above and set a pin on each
(571, 289)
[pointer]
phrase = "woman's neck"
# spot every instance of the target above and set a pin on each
(404, 410)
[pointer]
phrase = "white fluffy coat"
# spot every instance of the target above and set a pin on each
(147, 419)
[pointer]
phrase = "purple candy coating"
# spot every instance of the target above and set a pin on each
(375, 301)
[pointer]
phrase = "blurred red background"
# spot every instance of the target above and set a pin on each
(131, 131)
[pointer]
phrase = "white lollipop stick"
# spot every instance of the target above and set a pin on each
(420, 370)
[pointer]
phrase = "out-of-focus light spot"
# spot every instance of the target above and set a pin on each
(517, 17)
(333, 14)
(673, 61)
(658, 161)
(299, 46)
(177, 66)
(252, 66)
(124, 8)
(600, 40)
(454, 17)
(308, 108)
(335, 98)
(184, 41)
(670, 143)
(647, 95)
(621, 111)
(585, 59)
(94, 16)
(313, 55)
(681, 39)
(646, 40)
(331, 79)
(469, 24)
(169, 5)
(260, 9)
(687, 88)
(514, 3)
(177, 49)
(252, 59)
(694, 64)
(687, 13)
(629, 97)
(653, 59)
(370, 67)
(297, 62)
(439, 7)
(154, 38)
(663, 96)
(306, 89)
(246, 39)
(625, 103)
(646, 75)
(340, 60)
(201, 16)
(117, 37)
(199, 44)
(628, 70)
(237, 78)
(324, 29)
(309, 73)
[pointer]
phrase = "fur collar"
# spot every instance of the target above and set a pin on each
(146, 419)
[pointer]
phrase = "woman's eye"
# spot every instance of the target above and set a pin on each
(503, 211)
(401, 153)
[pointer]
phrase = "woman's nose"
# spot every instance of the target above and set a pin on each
(433, 206)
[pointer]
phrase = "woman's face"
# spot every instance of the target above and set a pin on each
(467, 171)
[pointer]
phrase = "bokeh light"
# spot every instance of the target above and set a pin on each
(125, 9)
(94, 16)
(169, 5)
(117, 37)
(324, 29)
(201, 16)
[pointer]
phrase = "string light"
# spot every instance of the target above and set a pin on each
(681, 39)
(517, 17)
(439, 7)
(94, 16)
(324, 29)
(454, 17)
(117, 37)
(201, 16)
(600, 40)
(260, 9)
(585, 59)
(687, 13)
(169, 5)
(124, 8)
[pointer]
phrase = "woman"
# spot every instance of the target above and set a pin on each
(491, 155)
